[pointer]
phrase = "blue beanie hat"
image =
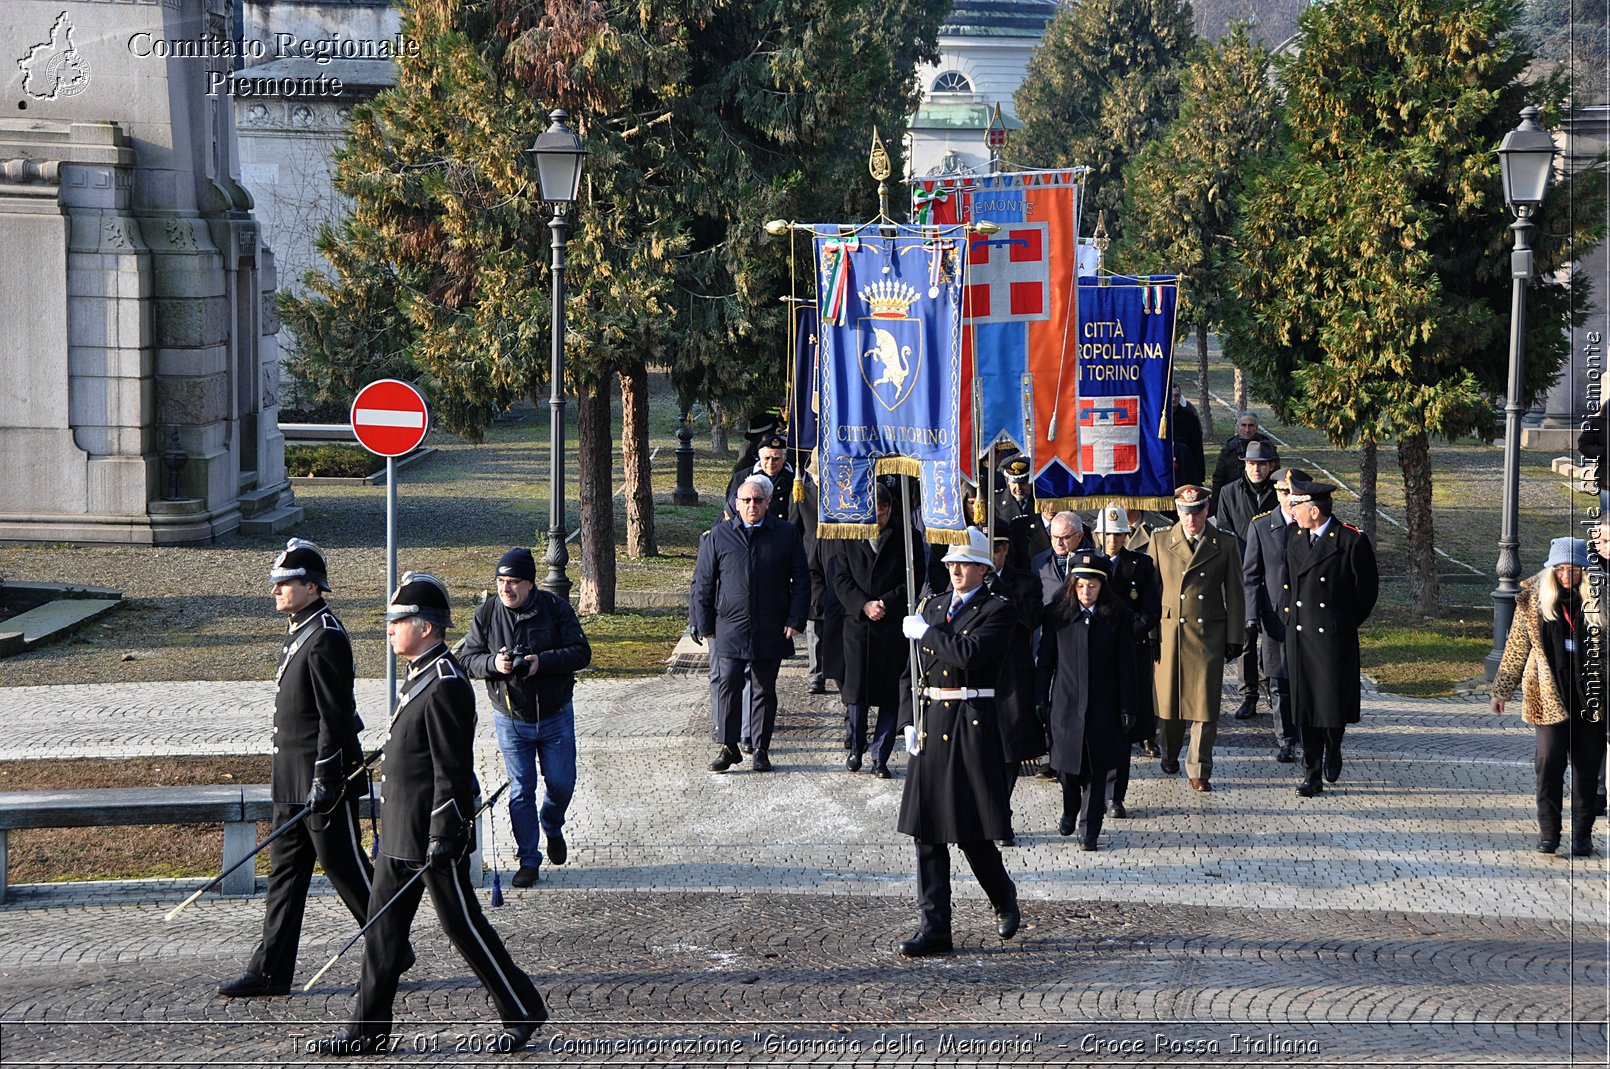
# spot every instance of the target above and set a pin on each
(1567, 551)
(518, 563)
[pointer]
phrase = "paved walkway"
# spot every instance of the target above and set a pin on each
(1401, 917)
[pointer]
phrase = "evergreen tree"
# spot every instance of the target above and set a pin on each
(1372, 289)
(1181, 190)
(1103, 83)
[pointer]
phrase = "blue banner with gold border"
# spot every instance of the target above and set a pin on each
(1123, 369)
(890, 363)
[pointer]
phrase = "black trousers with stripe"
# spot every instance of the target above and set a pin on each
(334, 842)
(458, 909)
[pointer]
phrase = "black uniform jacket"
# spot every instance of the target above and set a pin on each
(1231, 464)
(1240, 502)
(316, 721)
(427, 774)
(545, 625)
(748, 585)
(1016, 711)
(1087, 676)
(1190, 467)
(955, 789)
(865, 571)
(1268, 590)
(1334, 584)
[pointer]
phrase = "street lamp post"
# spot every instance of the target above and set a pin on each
(686, 493)
(1526, 158)
(559, 154)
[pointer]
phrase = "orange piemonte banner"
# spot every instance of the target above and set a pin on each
(1019, 317)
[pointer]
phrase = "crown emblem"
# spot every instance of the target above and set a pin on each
(889, 300)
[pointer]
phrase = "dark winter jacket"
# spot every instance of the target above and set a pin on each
(547, 626)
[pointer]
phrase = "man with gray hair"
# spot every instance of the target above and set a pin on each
(1232, 455)
(751, 592)
(1067, 535)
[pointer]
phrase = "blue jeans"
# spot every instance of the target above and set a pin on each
(548, 746)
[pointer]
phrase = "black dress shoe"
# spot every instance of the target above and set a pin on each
(515, 1037)
(1007, 920)
(1087, 844)
(748, 745)
(1010, 840)
(853, 762)
(1116, 809)
(725, 759)
(1310, 788)
(1287, 754)
(347, 1045)
(253, 985)
(1149, 748)
(1581, 847)
(1065, 826)
(527, 876)
(881, 770)
(1547, 846)
(1170, 767)
(1333, 767)
(558, 849)
(1248, 709)
(762, 761)
(923, 944)
(818, 687)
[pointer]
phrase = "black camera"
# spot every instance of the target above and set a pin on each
(517, 656)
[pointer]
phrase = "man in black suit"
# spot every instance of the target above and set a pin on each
(1268, 593)
(1133, 582)
(955, 788)
(751, 593)
(1334, 584)
(1051, 565)
(316, 729)
(427, 822)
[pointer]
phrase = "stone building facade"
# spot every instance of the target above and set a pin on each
(137, 297)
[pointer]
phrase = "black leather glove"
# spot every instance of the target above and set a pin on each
(693, 633)
(443, 854)
(323, 796)
(1252, 630)
(1233, 650)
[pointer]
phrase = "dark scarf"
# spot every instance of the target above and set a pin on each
(1567, 667)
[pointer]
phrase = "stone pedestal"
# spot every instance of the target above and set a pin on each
(137, 297)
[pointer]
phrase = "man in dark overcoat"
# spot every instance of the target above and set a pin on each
(955, 788)
(1227, 468)
(871, 577)
(824, 624)
(1249, 496)
(1133, 582)
(1190, 466)
(1268, 593)
(1067, 534)
(427, 822)
(1202, 627)
(1334, 584)
(316, 729)
(751, 592)
(1023, 732)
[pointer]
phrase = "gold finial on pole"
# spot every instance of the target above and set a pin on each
(1100, 240)
(995, 138)
(878, 167)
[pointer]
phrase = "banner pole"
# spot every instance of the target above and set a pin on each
(918, 718)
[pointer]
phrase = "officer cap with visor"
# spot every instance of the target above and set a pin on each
(421, 595)
(302, 562)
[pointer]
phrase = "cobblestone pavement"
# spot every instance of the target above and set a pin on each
(1400, 918)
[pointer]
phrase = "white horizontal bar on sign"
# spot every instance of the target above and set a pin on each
(387, 417)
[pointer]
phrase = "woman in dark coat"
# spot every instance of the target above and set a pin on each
(1016, 710)
(1087, 676)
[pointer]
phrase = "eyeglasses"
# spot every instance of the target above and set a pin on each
(1062, 538)
(751, 500)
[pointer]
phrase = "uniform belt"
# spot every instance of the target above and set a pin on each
(959, 694)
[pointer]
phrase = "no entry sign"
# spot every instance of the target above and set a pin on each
(389, 418)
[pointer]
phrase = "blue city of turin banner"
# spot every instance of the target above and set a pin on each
(1124, 368)
(889, 336)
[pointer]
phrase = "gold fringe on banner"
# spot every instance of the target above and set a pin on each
(846, 530)
(897, 466)
(1073, 504)
(799, 487)
(940, 537)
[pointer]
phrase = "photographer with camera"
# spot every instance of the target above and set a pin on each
(528, 645)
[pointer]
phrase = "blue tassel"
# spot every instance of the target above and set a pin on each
(497, 887)
(492, 848)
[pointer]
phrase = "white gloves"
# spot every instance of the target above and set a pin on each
(912, 746)
(914, 627)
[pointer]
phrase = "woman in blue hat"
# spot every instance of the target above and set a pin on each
(1557, 622)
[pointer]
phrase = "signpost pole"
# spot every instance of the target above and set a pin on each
(391, 576)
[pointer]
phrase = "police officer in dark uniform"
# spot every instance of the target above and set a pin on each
(427, 822)
(1268, 594)
(956, 774)
(772, 462)
(1133, 583)
(316, 729)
